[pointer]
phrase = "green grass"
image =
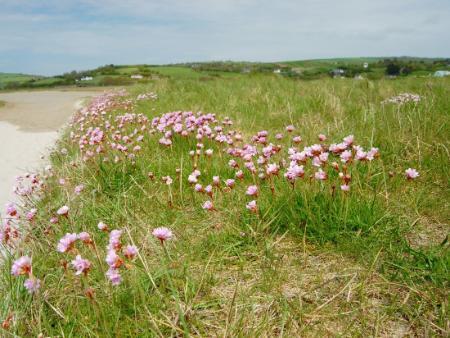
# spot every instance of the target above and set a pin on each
(373, 262)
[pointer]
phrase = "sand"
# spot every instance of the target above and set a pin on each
(29, 123)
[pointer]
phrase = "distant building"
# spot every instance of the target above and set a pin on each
(442, 73)
(338, 72)
(365, 65)
(87, 78)
(137, 77)
(277, 71)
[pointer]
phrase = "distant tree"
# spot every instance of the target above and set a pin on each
(392, 69)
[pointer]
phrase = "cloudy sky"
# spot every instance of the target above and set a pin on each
(55, 36)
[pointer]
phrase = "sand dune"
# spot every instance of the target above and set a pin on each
(28, 126)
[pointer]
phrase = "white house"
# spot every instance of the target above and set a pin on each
(137, 77)
(87, 78)
(365, 65)
(442, 73)
(277, 71)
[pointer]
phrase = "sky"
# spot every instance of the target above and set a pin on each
(49, 37)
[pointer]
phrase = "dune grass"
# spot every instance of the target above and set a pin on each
(310, 263)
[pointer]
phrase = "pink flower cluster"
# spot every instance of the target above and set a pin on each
(22, 266)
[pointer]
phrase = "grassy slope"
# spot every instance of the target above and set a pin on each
(312, 265)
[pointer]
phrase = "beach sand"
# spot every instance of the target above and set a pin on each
(29, 123)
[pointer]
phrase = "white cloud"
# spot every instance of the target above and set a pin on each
(62, 35)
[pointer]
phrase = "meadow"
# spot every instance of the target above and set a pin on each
(250, 206)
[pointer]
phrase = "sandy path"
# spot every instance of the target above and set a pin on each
(28, 126)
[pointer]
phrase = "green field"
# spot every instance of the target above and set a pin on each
(120, 75)
(312, 260)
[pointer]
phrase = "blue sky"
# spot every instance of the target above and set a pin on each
(55, 36)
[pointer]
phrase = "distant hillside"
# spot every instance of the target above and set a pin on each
(120, 75)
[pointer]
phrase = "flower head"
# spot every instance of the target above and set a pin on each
(252, 206)
(252, 190)
(208, 205)
(63, 211)
(114, 276)
(21, 266)
(162, 233)
(130, 251)
(411, 173)
(67, 242)
(81, 265)
(32, 285)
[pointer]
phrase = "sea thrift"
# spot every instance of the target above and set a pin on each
(130, 251)
(63, 211)
(208, 205)
(81, 265)
(32, 285)
(411, 173)
(67, 242)
(252, 190)
(252, 206)
(162, 233)
(21, 266)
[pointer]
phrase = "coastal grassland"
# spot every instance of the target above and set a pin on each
(372, 262)
(2, 103)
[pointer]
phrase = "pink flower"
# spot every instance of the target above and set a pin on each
(348, 140)
(31, 214)
(63, 211)
(208, 189)
(198, 187)
(252, 206)
(32, 285)
(240, 174)
(290, 128)
(411, 173)
(320, 175)
(78, 189)
(67, 242)
(230, 183)
(11, 209)
(62, 181)
(208, 152)
(114, 239)
(345, 187)
(130, 251)
(346, 156)
(216, 180)
(162, 233)
(192, 179)
(21, 266)
(208, 205)
(81, 265)
(54, 220)
(252, 190)
(85, 237)
(322, 137)
(113, 260)
(272, 169)
(297, 139)
(102, 226)
(114, 276)
(279, 136)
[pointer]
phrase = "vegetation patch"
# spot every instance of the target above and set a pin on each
(244, 206)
